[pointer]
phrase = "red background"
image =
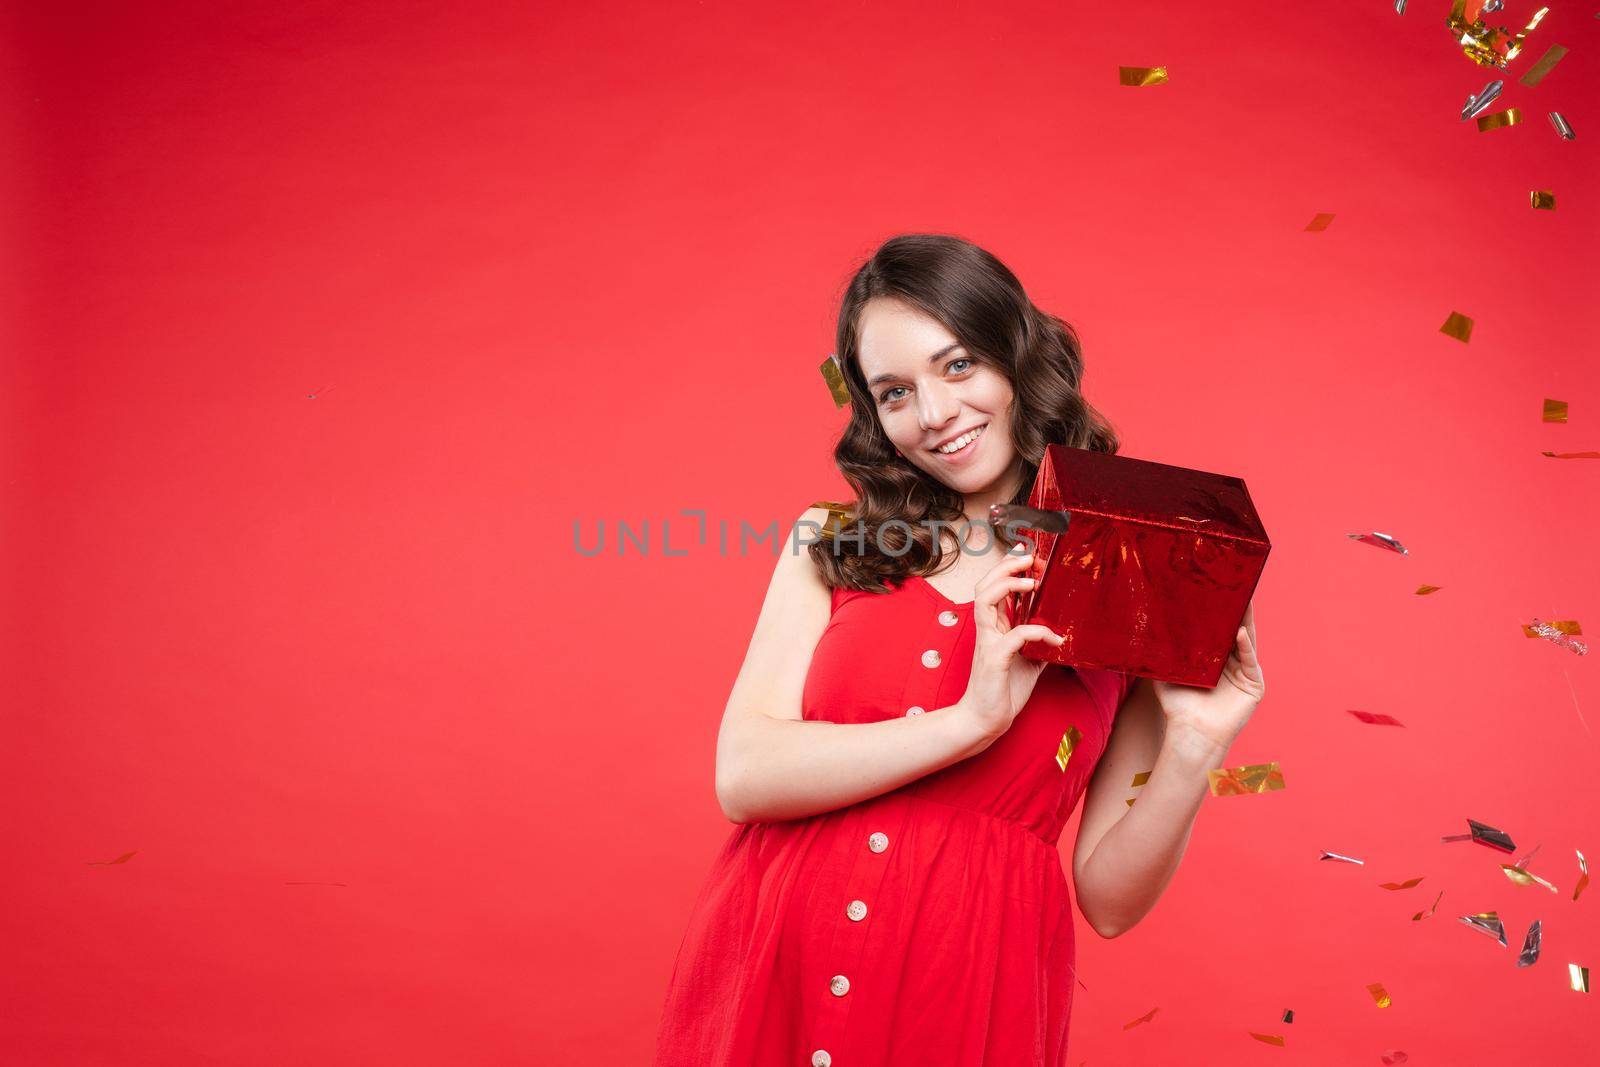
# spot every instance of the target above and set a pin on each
(326, 322)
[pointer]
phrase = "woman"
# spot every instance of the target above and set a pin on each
(894, 893)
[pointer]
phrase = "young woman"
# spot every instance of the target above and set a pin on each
(893, 892)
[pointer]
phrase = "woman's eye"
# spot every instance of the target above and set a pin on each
(888, 394)
(958, 362)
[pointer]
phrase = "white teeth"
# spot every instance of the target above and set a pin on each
(961, 442)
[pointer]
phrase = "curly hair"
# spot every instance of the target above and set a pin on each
(979, 300)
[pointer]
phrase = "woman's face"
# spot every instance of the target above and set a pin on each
(929, 391)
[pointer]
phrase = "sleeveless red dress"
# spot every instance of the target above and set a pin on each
(928, 925)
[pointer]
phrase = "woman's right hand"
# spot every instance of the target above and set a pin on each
(1002, 679)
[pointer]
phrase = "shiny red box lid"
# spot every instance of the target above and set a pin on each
(1154, 571)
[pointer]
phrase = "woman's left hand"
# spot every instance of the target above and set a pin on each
(1218, 714)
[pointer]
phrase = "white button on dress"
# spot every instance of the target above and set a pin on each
(857, 910)
(839, 985)
(948, 618)
(930, 658)
(915, 710)
(820, 1058)
(878, 842)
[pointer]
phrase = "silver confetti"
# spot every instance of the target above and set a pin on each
(1380, 540)
(1487, 923)
(1478, 101)
(1530, 946)
(1563, 127)
(1326, 855)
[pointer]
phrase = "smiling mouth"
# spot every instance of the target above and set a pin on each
(962, 443)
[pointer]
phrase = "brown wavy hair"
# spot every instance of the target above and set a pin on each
(979, 300)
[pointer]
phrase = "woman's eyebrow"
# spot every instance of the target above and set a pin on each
(945, 351)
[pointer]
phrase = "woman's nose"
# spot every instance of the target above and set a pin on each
(938, 406)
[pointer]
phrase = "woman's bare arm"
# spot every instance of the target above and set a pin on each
(1124, 857)
(771, 763)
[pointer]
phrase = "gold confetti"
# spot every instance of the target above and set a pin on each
(1142, 76)
(1419, 916)
(1484, 46)
(1140, 779)
(1254, 778)
(1542, 200)
(1146, 1017)
(1571, 455)
(838, 514)
(1457, 326)
(1509, 117)
(833, 374)
(1271, 1039)
(1579, 977)
(1554, 411)
(1546, 64)
(1583, 879)
(1319, 222)
(1565, 626)
(124, 858)
(1424, 590)
(1379, 995)
(1069, 741)
(1409, 883)
(1522, 877)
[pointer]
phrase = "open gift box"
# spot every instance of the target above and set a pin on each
(1153, 572)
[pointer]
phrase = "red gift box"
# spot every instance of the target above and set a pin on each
(1154, 571)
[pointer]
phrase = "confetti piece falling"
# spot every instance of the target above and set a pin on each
(1511, 116)
(1563, 626)
(1140, 779)
(1146, 1017)
(1409, 883)
(1530, 945)
(1522, 877)
(124, 858)
(1395, 1056)
(1542, 200)
(1399, 7)
(1480, 100)
(1319, 223)
(1424, 590)
(833, 374)
(1419, 916)
(1271, 1039)
(1375, 719)
(1254, 778)
(1571, 455)
(1563, 127)
(1380, 996)
(1142, 76)
(1583, 878)
(1558, 634)
(1288, 1015)
(1326, 855)
(1380, 540)
(1484, 834)
(1487, 922)
(1458, 326)
(1579, 977)
(1546, 64)
(1069, 742)
(1554, 411)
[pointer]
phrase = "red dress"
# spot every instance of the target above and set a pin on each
(928, 925)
